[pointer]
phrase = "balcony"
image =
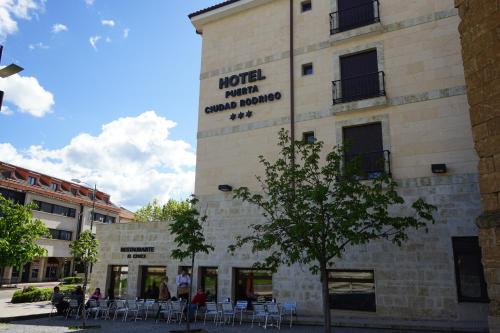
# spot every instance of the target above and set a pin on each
(370, 165)
(358, 87)
(355, 17)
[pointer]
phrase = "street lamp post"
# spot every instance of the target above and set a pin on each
(92, 216)
(6, 72)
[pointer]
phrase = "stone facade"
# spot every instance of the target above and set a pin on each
(480, 35)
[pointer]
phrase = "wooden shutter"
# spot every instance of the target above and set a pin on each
(359, 76)
(355, 13)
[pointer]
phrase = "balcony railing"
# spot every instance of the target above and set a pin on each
(358, 87)
(370, 165)
(355, 17)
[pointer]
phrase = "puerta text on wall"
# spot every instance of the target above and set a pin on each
(244, 87)
(133, 251)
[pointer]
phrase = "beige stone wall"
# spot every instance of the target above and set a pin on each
(424, 119)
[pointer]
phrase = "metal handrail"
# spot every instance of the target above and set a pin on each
(358, 87)
(356, 12)
(371, 168)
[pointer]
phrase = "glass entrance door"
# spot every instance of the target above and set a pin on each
(150, 282)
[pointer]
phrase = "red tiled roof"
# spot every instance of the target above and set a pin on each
(208, 9)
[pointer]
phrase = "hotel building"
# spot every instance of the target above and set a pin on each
(66, 210)
(385, 75)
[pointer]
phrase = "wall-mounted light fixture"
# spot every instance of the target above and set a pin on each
(438, 168)
(225, 188)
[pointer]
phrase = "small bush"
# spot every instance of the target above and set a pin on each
(32, 294)
(72, 280)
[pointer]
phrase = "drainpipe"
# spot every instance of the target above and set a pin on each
(80, 223)
(292, 85)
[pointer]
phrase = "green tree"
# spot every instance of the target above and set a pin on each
(19, 232)
(85, 249)
(187, 228)
(155, 212)
(315, 208)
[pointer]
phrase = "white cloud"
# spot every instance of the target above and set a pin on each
(93, 41)
(108, 40)
(125, 32)
(132, 158)
(38, 45)
(58, 27)
(10, 10)
(109, 23)
(5, 111)
(26, 93)
(89, 2)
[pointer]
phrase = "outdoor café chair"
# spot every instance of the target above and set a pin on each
(73, 307)
(290, 308)
(273, 313)
(134, 308)
(92, 308)
(148, 305)
(103, 309)
(53, 309)
(227, 312)
(164, 310)
(177, 311)
(120, 307)
(211, 310)
(259, 312)
(241, 306)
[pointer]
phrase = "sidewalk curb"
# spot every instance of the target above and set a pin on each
(25, 317)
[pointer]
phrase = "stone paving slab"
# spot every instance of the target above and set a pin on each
(60, 325)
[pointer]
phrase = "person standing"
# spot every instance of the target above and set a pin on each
(164, 292)
(183, 282)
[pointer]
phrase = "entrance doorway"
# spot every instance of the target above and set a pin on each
(118, 282)
(25, 275)
(150, 282)
(208, 282)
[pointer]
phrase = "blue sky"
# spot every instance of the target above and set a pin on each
(146, 57)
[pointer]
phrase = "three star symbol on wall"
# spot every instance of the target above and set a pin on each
(241, 115)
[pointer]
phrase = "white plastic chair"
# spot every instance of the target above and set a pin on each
(227, 312)
(148, 306)
(177, 311)
(241, 306)
(73, 307)
(165, 310)
(211, 310)
(103, 309)
(290, 308)
(134, 308)
(273, 313)
(92, 308)
(259, 312)
(120, 307)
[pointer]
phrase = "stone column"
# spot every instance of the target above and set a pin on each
(480, 36)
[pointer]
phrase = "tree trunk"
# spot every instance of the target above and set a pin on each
(326, 301)
(84, 288)
(1, 276)
(188, 312)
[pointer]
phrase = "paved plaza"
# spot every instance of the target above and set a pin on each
(59, 325)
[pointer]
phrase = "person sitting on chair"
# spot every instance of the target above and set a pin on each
(58, 301)
(198, 301)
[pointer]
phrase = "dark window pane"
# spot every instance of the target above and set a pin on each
(151, 279)
(72, 212)
(118, 282)
(253, 285)
(352, 290)
(306, 6)
(355, 13)
(208, 282)
(359, 76)
(471, 285)
(307, 69)
(46, 207)
(308, 137)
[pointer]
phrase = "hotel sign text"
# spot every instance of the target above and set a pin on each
(137, 249)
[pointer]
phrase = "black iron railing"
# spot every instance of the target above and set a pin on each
(358, 87)
(369, 165)
(355, 17)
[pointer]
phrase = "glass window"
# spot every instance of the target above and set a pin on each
(306, 6)
(208, 282)
(308, 137)
(34, 273)
(307, 69)
(31, 180)
(53, 187)
(471, 286)
(118, 282)
(6, 174)
(253, 285)
(151, 279)
(351, 290)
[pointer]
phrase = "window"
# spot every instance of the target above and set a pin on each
(6, 174)
(306, 6)
(351, 290)
(360, 78)
(471, 286)
(31, 180)
(188, 270)
(53, 187)
(353, 14)
(307, 69)
(364, 150)
(54, 209)
(150, 282)
(208, 282)
(118, 282)
(16, 197)
(61, 234)
(308, 137)
(34, 273)
(104, 218)
(74, 191)
(253, 285)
